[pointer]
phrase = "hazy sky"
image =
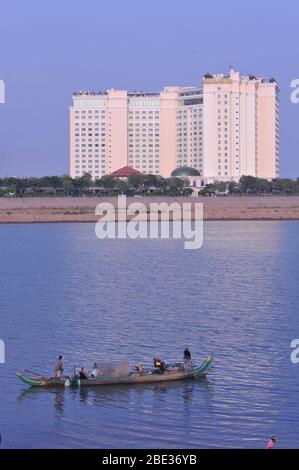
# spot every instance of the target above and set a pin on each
(48, 49)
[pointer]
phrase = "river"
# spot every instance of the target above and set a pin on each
(63, 291)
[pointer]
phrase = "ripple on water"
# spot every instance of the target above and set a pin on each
(63, 291)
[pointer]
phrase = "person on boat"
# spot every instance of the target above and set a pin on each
(162, 367)
(83, 375)
(139, 368)
(187, 359)
(58, 367)
(271, 443)
(157, 362)
(95, 371)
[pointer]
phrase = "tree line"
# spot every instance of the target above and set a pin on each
(137, 184)
(251, 186)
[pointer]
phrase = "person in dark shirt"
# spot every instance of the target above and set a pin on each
(58, 367)
(83, 375)
(187, 359)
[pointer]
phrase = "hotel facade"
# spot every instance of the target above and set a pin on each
(226, 129)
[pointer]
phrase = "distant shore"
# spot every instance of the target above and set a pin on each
(82, 209)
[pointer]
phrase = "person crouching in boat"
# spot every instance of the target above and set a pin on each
(83, 374)
(58, 367)
(139, 368)
(187, 359)
(160, 365)
(95, 371)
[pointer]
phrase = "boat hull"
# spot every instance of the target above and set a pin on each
(131, 379)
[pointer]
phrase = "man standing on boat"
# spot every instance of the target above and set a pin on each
(187, 359)
(58, 367)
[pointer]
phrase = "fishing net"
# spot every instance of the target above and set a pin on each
(113, 369)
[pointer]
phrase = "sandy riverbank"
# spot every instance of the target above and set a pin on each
(39, 210)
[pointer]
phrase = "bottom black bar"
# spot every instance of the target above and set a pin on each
(137, 458)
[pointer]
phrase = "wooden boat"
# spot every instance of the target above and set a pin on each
(176, 373)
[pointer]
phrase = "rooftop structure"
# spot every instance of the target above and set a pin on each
(125, 172)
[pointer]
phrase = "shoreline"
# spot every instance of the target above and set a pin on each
(77, 221)
(82, 210)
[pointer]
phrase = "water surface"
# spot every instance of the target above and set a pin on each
(65, 292)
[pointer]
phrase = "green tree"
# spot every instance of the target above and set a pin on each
(136, 181)
(67, 183)
(247, 184)
(233, 187)
(121, 186)
(150, 180)
(174, 186)
(50, 182)
(107, 182)
(221, 186)
(83, 182)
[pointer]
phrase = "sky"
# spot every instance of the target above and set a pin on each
(49, 49)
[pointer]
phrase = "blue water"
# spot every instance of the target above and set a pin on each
(64, 291)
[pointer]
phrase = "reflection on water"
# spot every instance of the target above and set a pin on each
(65, 292)
(120, 395)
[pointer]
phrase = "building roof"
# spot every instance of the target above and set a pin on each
(185, 171)
(125, 171)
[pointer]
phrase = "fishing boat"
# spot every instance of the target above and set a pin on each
(170, 373)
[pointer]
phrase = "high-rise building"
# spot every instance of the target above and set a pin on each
(228, 129)
(241, 126)
(152, 132)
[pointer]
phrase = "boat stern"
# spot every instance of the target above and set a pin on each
(29, 381)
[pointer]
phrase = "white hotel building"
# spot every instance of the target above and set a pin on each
(225, 130)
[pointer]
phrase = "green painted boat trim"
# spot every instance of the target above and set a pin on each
(194, 373)
(30, 381)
